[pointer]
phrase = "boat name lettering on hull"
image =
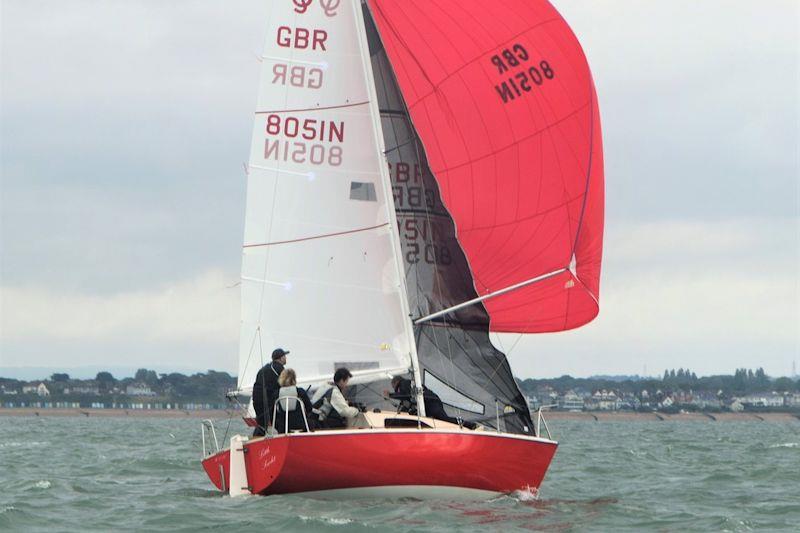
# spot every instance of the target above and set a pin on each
(297, 76)
(302, 38)
(512, 64)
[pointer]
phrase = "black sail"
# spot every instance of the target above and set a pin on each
(457, 359)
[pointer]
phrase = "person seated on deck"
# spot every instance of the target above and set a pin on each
(288, 403)
(434, 408)
(330, 405)
(265, 390)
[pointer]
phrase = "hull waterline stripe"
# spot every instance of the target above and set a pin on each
(316, 236)
(312, 108)
(490, 295)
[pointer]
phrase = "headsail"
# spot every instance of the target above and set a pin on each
(503, 100)
(320, 275)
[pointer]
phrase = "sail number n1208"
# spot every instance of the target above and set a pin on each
(300, 151)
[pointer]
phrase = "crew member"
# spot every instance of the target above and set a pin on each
(330, 403)
(434, 407)
(265, 390)
(287, 400)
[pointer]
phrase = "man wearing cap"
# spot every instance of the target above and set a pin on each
(265, 390)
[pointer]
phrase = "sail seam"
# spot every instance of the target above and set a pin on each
(355, 104)
(314, 237)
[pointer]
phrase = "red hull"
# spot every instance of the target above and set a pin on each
(319, 461)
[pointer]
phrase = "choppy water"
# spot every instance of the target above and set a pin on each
(69, 474)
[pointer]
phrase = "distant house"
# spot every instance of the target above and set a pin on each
(602, 400)
(736, 406)
(533, 402)
(139, 389)
(683, 397)
(629, 401)
(764, 399)
(8, 392)
(706, 400)
(791, 400)
(40, 389)
(88, 387)
(570, 402)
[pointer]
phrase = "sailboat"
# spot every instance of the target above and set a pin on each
(422, 173)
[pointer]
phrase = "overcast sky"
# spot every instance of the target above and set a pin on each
(125, 125)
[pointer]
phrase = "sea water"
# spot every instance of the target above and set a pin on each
(144, 474)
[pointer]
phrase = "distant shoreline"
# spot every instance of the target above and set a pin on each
(597, 416)
(108, 413)
(609, 416)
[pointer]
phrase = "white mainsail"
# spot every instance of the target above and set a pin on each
(320, 268)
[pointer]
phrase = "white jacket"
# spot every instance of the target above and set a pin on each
(337, 401)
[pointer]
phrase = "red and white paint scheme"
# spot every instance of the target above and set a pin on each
(445, 460)
(349, 261)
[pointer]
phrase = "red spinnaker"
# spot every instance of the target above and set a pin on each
(503, 100)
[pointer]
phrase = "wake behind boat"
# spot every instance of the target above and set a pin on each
(420, 173)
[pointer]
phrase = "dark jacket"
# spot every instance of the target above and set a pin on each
(434, 407)
(295, 416)
(265, 390)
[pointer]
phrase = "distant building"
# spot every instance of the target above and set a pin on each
(88, 387)
(602, 400)
(706, 400)
(629, 401)
(764, 399)
(533, 402)
(736, 406)
(138, 389)
(570, 402)
(40, 389)
(8, 392)
(682, 397)
(791, 400)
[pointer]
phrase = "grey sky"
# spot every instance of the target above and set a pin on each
(125, 125)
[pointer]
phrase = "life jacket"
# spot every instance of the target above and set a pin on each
(287, 399)
(324, 409)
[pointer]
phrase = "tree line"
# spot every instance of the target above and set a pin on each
(743, 381)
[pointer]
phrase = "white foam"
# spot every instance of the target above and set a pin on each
(327, 519)
(21, 444)
(786, 445)
(528, 494)
(43, 484)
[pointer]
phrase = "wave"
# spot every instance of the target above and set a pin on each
(327, 520)
(14, 444)
(786, 445)
(530, 494)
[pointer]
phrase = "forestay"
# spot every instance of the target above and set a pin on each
(320, 275)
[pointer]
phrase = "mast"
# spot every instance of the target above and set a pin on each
(386, 179)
